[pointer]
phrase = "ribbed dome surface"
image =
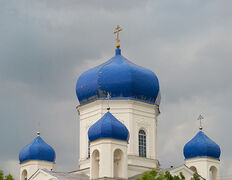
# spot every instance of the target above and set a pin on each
(108, 127)
(201, 146)
(37, 150)
(120, 78)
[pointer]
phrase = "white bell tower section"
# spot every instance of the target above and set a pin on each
(207, 167)
(36, 155)
(134, 101)
(202, 155)
(28, 168)
(108, 159)
(135, 115)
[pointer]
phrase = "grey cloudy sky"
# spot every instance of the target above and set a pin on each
(45, 45)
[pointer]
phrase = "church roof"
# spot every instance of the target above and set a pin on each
(120, 78)
(108, 127)
(67, 175)
(37, 150)
(201, 146)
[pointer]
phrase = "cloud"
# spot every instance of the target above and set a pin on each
(46, 45)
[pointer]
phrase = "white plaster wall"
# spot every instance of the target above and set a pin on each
(33, 165)
(188, 174)
(106, 148)
(135, 170)
(135, 115)
(203, 166)
(85, 171)
(41, 175)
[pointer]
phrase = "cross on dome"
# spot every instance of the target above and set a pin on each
(200, 118)
(117, 30)
(108, 101)
(38, 132)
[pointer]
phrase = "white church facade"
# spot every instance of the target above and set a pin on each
(119, 107)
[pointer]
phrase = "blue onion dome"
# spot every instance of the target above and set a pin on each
(201, 146)
(37, 150)
(108, 127)
(120, 78)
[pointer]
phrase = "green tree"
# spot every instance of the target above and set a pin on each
(159, 175)
(196, 176)
(154, 175)
(1, 175)
(9, 177)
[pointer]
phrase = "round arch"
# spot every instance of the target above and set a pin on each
(95, 157)
(119, 160)
(24, 175)
(143, 129)
(213, 172)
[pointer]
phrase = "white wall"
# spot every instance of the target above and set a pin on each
(106, 158)
(135, 115)
(188, 174)
(33, 165)
(41, 175)
(203, 166)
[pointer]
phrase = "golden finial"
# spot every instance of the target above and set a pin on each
(117, 30)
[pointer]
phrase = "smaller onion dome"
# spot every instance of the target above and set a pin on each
(201, 146)
(37, 150)
(108, 127)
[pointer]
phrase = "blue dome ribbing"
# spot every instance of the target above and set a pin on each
(201, 146)
(37, 150)
(120, 78)
(108, 127)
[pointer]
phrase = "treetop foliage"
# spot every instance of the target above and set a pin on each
(8, 177)
(159, 175)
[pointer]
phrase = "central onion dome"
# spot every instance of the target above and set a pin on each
(120, 78)
(108, 127)
(201, 146)
(37, 150)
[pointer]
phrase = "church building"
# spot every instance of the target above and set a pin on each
(118, 109)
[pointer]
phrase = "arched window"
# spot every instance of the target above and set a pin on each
(95, 156)
(213, 173)
(88, 149)
(118, 163)
(24, 175)
(142, 143)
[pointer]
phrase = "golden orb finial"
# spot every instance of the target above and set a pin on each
(117, 30)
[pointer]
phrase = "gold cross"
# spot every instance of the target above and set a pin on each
(117, 30)
(200, 118)
(108, 100)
